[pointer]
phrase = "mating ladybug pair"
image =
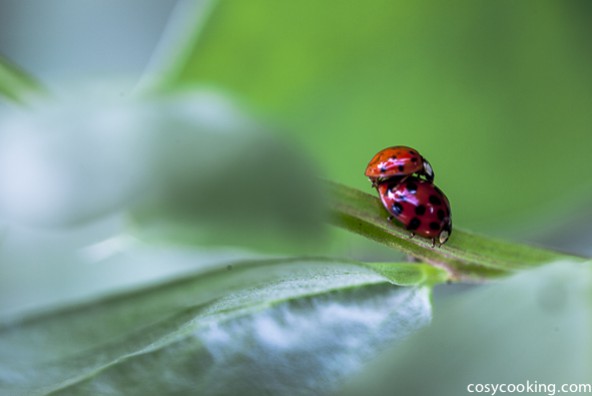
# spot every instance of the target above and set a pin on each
(404, 181)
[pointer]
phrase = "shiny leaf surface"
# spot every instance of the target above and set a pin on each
(269, 324)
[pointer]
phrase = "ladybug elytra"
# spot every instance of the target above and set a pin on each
(397, 161)
(418, 205)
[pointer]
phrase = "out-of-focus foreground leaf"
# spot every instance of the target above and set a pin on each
(191, 167)
(279, 326)
(465, 255)
(533, 329)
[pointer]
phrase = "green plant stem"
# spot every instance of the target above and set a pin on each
(465, 256)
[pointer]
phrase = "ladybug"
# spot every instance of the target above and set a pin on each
(397, 161)
(419, 205)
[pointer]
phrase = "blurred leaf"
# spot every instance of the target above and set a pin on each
(465, 255)
(190, 167)
(240, 177)
(493, 112)
(70, 161)
(15, 84)
(280, 326)
(231, 183)
(534, 327)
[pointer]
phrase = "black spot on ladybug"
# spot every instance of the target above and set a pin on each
(414, 224)
(435, 200)
(397, 209)
(401, 168)
(420, 210)
(412, 187)
(382, 169)
(434, 226)
(440, 214)
(414, 159)
(412, 152)
(393, 157)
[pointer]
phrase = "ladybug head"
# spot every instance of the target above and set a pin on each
(428, 171)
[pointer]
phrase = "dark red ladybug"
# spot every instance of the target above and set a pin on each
(397, 161)
(419, 205)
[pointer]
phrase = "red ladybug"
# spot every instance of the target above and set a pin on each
(397, 161)
(420, 206)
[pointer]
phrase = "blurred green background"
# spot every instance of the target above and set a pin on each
(497, 95)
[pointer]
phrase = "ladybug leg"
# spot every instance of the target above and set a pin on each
(412, 235)
(434, 243)
(390, 218)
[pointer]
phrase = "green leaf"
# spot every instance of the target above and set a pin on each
(189, 168)
(16, 84)
(465, 255)
(533, 328)
(272, 324)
